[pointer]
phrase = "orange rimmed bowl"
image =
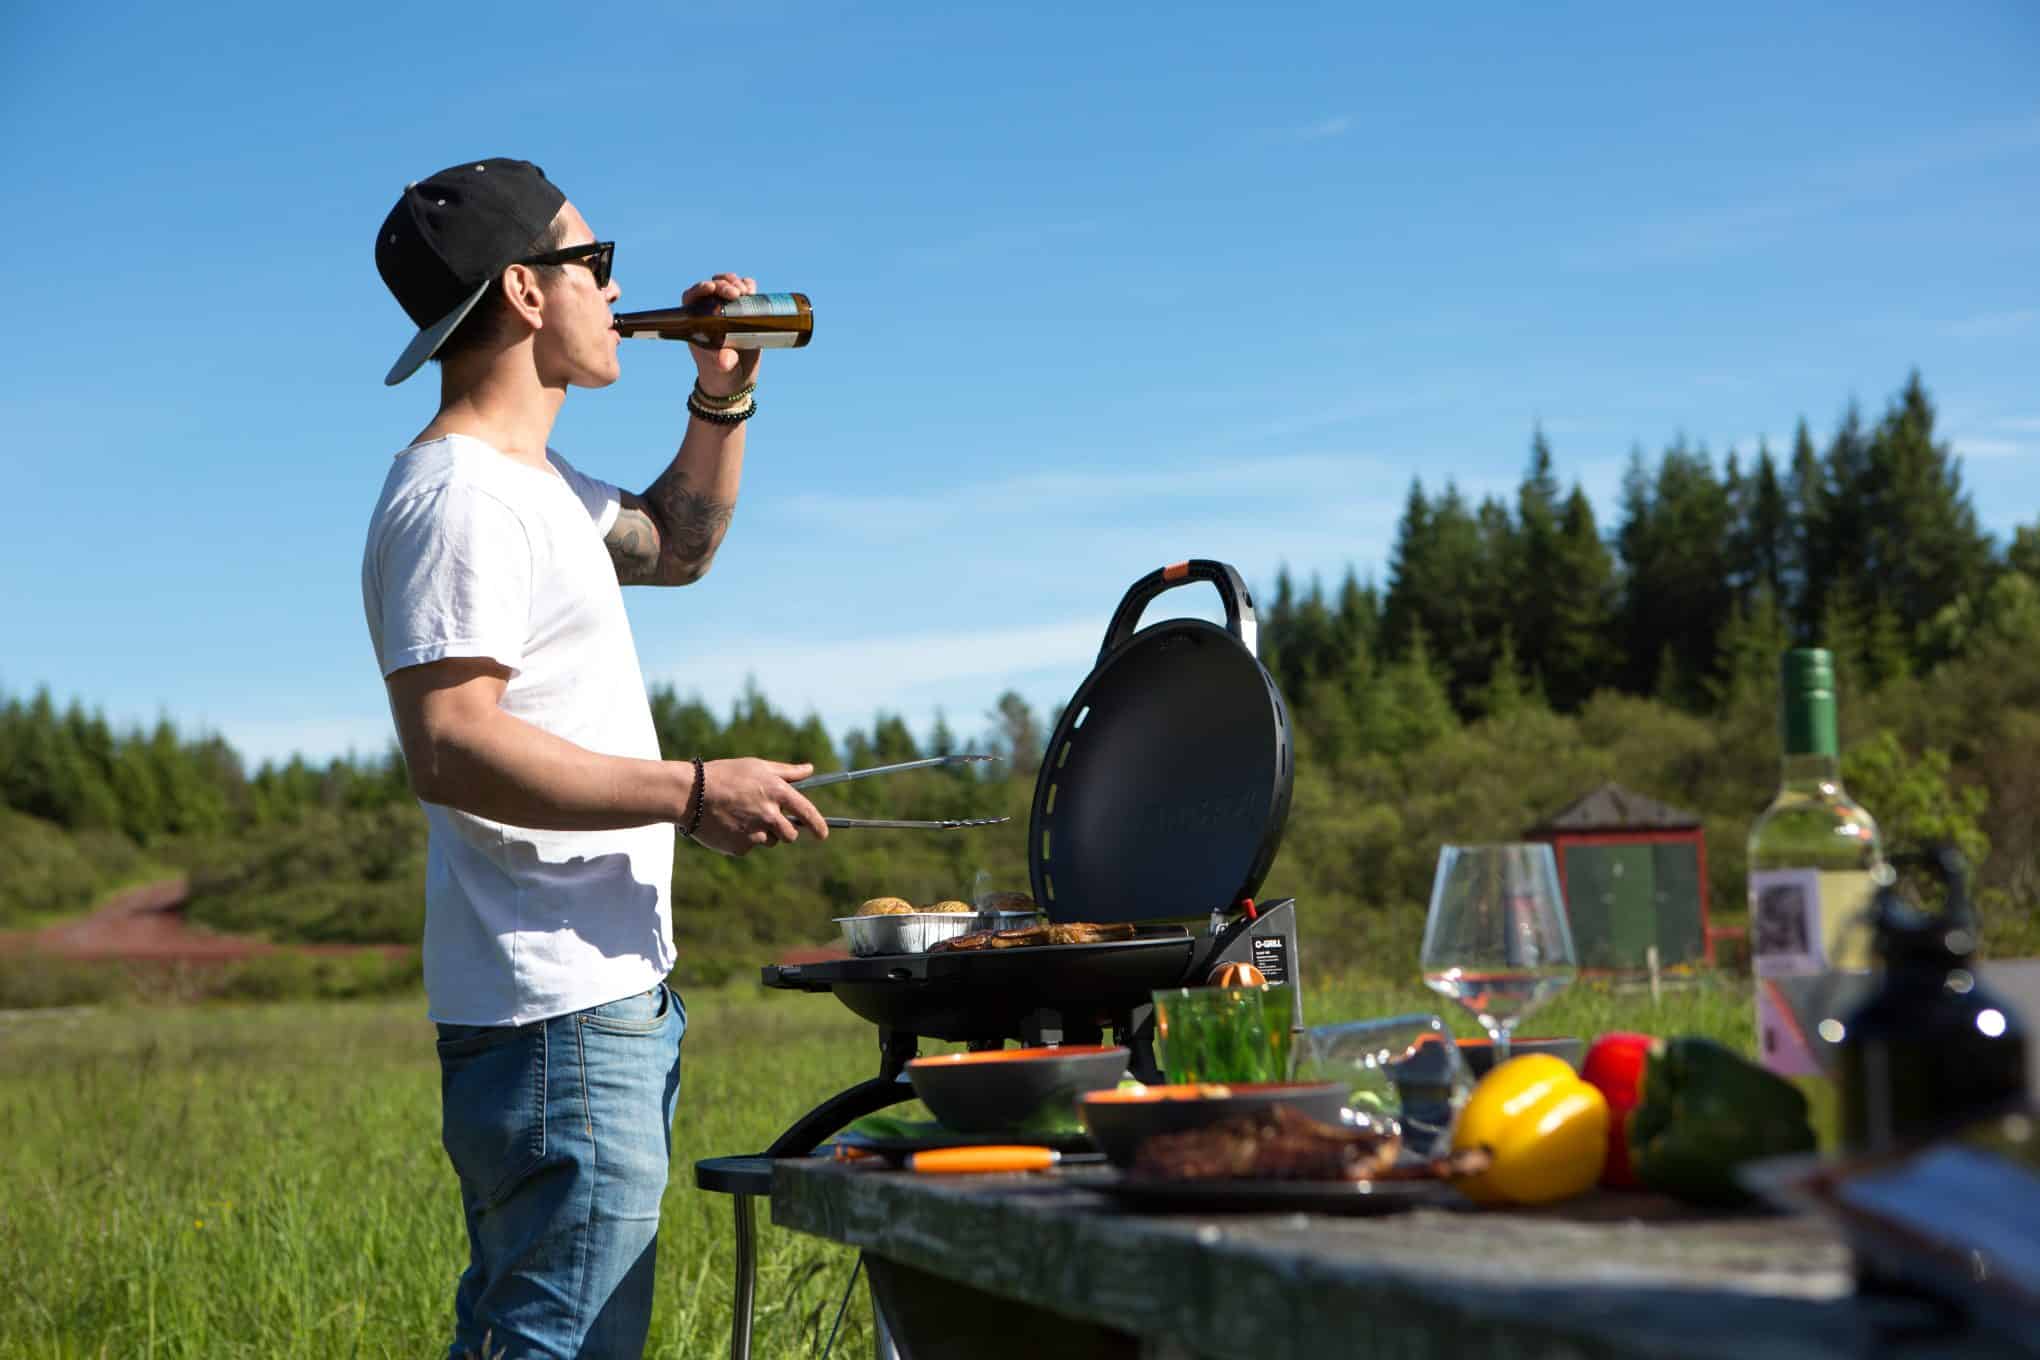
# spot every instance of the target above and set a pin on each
(1119, 1121)
(1001, 1089)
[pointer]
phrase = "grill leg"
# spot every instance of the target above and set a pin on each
(747, 1279)
(882, 1347)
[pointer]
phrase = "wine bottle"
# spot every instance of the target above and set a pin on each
(1814, 863)
(754, 321)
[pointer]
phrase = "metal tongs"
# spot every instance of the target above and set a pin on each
(844, 776)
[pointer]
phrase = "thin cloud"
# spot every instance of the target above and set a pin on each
(1091, 495)
(1992, 448)
(1876, 172)
(1337, 126)
(1994, 325)
(993, 242)
(2021, 424)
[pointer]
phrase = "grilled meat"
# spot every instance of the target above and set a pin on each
(1062, 932)
(1084, 932)
(1274, 1144)
(977, 939)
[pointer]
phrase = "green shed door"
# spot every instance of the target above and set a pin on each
(1676, 868)
(1611, 904)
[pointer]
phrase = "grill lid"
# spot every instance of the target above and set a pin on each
(1166, 785)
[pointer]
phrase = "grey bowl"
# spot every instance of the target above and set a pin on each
(1000, 1090)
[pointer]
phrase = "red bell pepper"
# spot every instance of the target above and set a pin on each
(1615, 1066)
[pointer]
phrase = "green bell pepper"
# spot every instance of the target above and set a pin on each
(1704, 1111)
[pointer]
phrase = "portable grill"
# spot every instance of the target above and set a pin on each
(1160, 802)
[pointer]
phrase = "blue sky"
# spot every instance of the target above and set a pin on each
(1096, 288)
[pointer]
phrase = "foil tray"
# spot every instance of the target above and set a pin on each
(914, 932)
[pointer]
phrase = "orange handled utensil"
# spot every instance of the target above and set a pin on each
(977, 1161)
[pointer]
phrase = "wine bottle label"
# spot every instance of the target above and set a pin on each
(1786, 939)
(1804, 921)
(1810, 952)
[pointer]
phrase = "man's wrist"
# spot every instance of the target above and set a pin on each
(723, 386)
(733, 409)
(686, 789)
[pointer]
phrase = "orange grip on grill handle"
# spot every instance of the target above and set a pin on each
(977, 1161)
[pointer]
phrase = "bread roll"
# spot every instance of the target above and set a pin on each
(886, 906)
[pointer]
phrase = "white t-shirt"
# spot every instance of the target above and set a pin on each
(473, 554)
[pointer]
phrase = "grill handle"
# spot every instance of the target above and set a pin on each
(1232, 591)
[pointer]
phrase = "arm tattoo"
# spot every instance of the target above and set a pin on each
(668, 536)
(633, 544)
(692, 528)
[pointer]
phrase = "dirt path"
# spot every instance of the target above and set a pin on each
(148, 923)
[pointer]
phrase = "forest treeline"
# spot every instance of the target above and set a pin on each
(1518, 653)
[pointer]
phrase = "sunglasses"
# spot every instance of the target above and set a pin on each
(597, 255)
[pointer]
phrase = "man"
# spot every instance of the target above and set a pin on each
(491, 583)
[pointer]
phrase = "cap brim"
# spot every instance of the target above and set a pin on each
(426, 343)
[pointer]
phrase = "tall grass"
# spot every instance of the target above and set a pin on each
(266, 1180)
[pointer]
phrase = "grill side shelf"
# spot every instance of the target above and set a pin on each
(791, 977)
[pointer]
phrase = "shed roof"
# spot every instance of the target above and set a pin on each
(1614, 808)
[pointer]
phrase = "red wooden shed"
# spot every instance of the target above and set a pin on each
(1634, 872)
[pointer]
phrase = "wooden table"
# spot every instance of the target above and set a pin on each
(1038, 1265)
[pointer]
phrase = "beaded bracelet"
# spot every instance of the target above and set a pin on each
(700, 797)
(716, 401)
(733, 417)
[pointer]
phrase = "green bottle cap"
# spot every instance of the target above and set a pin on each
(1808, 712)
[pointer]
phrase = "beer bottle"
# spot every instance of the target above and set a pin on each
(755, 321)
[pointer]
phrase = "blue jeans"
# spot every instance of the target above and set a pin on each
(561, 1131)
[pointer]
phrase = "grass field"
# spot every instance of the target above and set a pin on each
(266, 1180)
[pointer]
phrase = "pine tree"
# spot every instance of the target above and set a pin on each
(1676, 594)
(1750, 644)
(1016, 735)
(891, 742)
(1765, 533)
(1409, 572)
(941, 740)
(1504, 693)
(1356, 626)
(1577, 651)
(1806, 501)
(1277, 614)
(1531, 580)
(2023, 555)
(1920, 549)
(1408, 708)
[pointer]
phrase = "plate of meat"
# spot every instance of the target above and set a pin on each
(1278, 1160)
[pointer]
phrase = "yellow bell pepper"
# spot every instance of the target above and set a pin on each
(1545, 1128)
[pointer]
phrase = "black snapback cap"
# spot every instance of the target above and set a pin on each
(448, 238)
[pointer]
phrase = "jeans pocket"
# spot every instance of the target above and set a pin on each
(645, 1013)
(492, 1106)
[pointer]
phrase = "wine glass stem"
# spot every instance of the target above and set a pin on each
(1501, 1045)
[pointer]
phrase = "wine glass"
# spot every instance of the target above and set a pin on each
(1403, 1069)
(1497, 940)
